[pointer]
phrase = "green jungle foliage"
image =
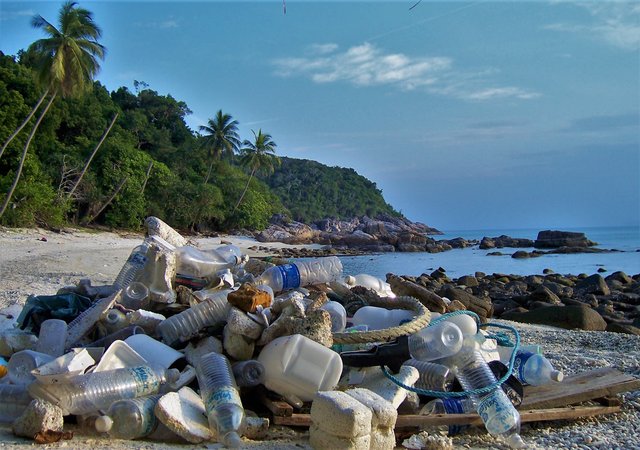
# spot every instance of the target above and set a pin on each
(312, 191)
(150, 136)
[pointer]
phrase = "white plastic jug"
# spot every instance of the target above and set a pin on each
(380, 318)
(297, 367)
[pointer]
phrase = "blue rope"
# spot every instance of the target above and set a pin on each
(477, 392)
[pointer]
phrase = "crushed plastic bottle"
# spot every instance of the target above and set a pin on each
(433, 376)
(129, 418)
(302, 273)
(221, 398)
(248, 373)
(435, 342)
(535, 369)
(90, 392)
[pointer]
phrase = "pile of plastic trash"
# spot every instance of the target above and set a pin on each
(186, 338)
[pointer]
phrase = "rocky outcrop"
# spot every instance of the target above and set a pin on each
(504, 241)
(555, 239)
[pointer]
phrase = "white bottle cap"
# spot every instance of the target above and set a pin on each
(103, 424)
(556, 375)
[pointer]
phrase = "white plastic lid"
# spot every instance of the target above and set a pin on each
(556, 375)
(103, 424)
(350, 280)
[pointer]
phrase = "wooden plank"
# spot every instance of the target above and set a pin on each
(414, 420)
(609, 401)
(604, 382)
(277, 407)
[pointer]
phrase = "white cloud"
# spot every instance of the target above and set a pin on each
(367, 65)
(615, 22)
(163, 25)
(11, 15)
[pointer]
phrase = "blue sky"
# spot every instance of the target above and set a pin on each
(467, 114)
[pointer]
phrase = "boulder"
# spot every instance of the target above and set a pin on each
(568, 317)
(544, 294)
(480, 306)
(594, 284)
(505, 241)
(555, 239)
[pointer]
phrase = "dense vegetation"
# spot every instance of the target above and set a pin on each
(75, 153)
(313, 191)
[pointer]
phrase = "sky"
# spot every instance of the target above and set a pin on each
(466, 114)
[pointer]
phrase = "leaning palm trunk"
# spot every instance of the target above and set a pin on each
(22, 125)
(209, 172)
(108, 202)
(95, 150)
(24, 156)
(244, 191)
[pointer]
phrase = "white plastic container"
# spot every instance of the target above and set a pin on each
(380, 318)
(23, 362)
(155, 352)
(52, 337)
(297, 367)
(338, 315)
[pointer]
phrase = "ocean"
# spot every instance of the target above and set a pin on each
(467, 261)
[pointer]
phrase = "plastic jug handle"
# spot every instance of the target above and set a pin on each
(392, 354)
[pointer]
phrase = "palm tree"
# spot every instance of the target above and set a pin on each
(222, 138)
(258, 156)
(66, 62)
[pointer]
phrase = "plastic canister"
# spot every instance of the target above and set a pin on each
(380, 318)
(298, 367)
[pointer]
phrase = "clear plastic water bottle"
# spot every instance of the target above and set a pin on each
(433, 376)
(196, 263)
(135, 296)
(185, 325)
(114, 320)
(148, 320)
(90, 392)
(230, 253)
(449, 406)
(133, 267)
(221, 398)
(370, 282)
(495, 409)
(129, 418)
(248, 373)
(435, 342)
(535, 369)
(52, 337)
(23, 362)
(13, 401)
(302, 273)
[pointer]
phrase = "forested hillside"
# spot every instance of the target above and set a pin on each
(150, 163)
(312, 191)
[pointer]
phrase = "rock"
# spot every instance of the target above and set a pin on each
(617, 327)
(240, 323)
(594, 284)
(183, 412)
(467, 280)
(316, 326)
(339, 414)
(247, 297)
(15, 340)
(568, 317)
(156, 227)
(236, 345)
(621, 277)
(505, 241)
(544, 294)
(40, 416)
(481, 307)
(555, 239)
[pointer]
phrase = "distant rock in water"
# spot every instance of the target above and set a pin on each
(556, 239)
(504, 241)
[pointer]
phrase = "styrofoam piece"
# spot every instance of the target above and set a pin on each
(60, 369)
(183, 412)
(118, 356)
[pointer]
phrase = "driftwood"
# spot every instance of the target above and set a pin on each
(431, 300)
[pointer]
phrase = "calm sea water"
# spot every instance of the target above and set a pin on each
(467, 261)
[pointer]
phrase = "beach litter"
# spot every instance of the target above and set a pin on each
(192, 345)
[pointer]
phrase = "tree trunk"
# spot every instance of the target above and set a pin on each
(108, 202)
(22, 125)
(95, 150)
(146, 178)
(209, 172)
(24, 156)
(244, 191)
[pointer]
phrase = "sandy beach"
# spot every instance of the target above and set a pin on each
(36, 261)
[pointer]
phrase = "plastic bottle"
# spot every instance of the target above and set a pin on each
(495, 409)
(158, 274)
(114, 320)
(248, 373)
(23, 362)
(14, 399)
(229, 252)
(449, 406)
(185, 325)
(129, 418)
(200, 264)
(90, 392)
(436, 341)
(535, 369)
(221, 398)
(148, 320)
(380, 318)
(433, 376)
(302, 273)
(338, 315)
(52, 337)
(135, 296)
(298, 367)
(465, 322)
(133, 267)
(370, 282)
